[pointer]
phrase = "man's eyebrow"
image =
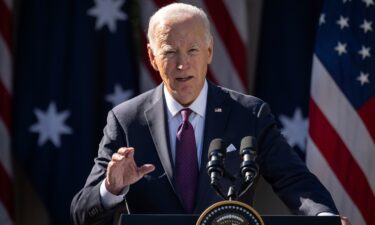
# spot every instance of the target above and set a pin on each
(166, 48)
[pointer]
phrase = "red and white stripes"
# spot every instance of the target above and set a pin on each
(341, 147)
(6, 177)
(229, 29)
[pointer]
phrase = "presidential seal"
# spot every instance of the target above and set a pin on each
(230, 213)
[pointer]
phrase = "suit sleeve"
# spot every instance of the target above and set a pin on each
(288, 175)
(86, 206)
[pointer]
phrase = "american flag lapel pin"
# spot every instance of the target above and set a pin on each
(218, 110)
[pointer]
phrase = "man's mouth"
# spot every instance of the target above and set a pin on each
(184, 78)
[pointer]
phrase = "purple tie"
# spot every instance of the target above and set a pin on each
(186, 161)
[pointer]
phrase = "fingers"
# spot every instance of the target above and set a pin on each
(126, 155)
(123, 164)
(145, 169)
(117, 157)
(123, 153)
(127, 152)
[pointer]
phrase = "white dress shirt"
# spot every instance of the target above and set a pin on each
(197, 119)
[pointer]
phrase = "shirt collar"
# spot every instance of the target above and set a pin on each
(198, 106)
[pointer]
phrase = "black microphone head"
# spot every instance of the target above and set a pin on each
(247, 142)
(217, 145)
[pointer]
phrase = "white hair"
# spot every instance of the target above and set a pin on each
(173, 11)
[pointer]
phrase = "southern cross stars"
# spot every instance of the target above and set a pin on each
(107, 12)
(368, 2)
(119, 95)
(50, 125)
(322, 19)
(295, 129)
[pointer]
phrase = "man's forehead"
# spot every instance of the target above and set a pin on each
(166, 25)
(169, 45)
(174, 39)
(166, 33)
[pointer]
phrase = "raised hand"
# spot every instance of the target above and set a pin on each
(122, 170)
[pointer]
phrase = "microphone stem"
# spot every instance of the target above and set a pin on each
(232, 193)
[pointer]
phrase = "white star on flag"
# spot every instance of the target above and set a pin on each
(343, 22)
(368, 2)
(364, 52)
(107, 12)
(366, 26)
(119, 95)
(50, 125)
(295, 129)
(322, 19)
(341, 48)
(363, 78)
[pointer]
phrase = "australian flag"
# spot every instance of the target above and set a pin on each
(284, 70)
(74, 62)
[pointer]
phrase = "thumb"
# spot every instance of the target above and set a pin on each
(145, 169)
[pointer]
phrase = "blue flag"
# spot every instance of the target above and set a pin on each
(284, 68)
(74, 62)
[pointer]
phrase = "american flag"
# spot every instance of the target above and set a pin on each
(229, 29)
(341, 149)
(6, 178)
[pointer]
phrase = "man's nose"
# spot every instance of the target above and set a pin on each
(183, 62)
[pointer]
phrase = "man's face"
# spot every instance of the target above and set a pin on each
(181, 54)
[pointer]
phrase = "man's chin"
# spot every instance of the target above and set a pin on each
(185, 100)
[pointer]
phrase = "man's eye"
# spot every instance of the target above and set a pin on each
(169, 53)
(193, 50)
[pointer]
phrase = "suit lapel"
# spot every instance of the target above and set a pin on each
(157, 123)
(217, 114)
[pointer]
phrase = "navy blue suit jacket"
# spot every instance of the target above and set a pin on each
(142, 123)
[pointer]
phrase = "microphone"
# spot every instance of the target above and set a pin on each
(249, 167)
(216, 156)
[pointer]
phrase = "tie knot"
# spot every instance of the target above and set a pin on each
(185, 113)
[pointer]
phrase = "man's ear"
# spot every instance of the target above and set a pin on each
(210, 51)
(151, 56)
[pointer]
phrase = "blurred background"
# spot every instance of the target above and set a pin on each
(65, 64)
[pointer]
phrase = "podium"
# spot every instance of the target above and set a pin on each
(173, 219)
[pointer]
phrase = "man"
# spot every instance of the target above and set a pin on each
(147, 131)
